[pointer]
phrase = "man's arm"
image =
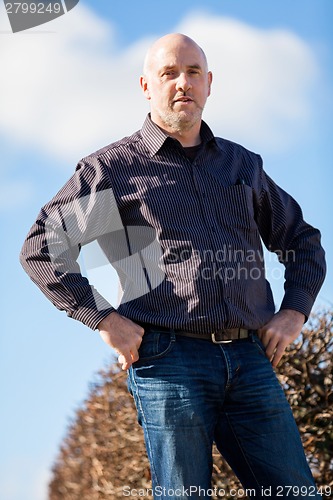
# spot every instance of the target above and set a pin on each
(297, 245)
(81, 212)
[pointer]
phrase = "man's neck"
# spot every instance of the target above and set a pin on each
(187, 138)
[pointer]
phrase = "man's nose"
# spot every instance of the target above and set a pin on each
(183, 83)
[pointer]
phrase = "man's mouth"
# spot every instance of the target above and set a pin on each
(183, 99)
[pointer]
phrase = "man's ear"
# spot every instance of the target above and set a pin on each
(210, 79)
(144, 86)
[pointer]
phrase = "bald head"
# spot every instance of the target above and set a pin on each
(173, 42)
(176, 82)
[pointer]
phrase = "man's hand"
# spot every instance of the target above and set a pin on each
(279, 332)
(123, 336)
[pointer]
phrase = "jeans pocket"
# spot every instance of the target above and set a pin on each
(155, 345)
(259, 345)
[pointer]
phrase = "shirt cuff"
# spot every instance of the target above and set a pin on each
(298, 300)
(92, 310)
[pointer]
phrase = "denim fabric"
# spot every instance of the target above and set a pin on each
(190, 393)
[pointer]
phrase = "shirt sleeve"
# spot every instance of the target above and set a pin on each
(81, 212)
(295, 242)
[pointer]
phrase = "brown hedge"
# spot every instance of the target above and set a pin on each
(103, 450)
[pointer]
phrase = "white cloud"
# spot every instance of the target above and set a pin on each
(72, 91)
(263, 79)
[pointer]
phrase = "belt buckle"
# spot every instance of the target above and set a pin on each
(215, 341)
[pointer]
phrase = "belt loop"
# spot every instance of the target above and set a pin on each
(172, 335)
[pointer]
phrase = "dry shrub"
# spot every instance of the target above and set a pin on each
(104, 449)
(307, 376)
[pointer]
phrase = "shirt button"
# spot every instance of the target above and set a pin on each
(213, 229)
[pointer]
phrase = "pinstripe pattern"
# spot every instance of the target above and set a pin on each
(185, 236)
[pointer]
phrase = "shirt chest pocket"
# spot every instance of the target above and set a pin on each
(234, 207)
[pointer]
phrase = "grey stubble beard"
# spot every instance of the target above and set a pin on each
(179, 121)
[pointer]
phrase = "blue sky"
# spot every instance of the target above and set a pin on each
(272, 91)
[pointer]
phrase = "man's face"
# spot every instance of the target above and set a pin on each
(177, 84)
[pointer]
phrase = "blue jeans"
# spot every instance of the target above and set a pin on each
(190, 393)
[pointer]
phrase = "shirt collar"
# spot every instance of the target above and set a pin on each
(154, 137)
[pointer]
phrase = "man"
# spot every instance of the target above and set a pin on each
(181, 214)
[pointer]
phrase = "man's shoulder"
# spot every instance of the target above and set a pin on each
(125, 146)
(229, 146)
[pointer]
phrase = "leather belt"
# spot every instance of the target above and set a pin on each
(220, 336)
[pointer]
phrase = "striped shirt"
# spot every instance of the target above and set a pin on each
(183, 228)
